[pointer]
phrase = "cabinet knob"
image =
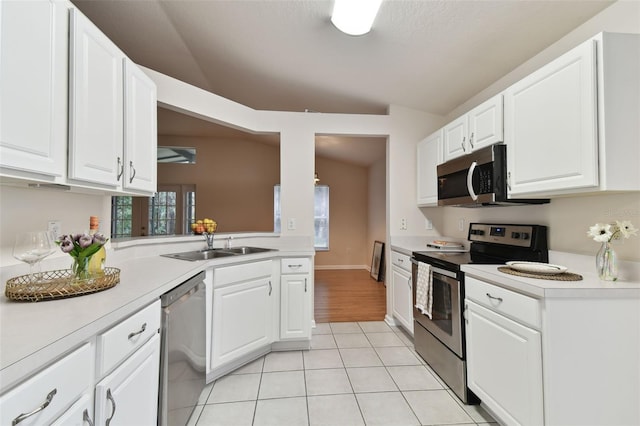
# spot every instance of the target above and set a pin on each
(113, 406)
(120, 168)
(132, 171)
(44, 405)
(135, 333)
(86, 418)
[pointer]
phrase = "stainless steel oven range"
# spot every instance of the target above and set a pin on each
(440, 339)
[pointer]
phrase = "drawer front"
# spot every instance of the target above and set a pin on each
(401, 260)
(61, 384)
(295, 265)
(244, 272)
(121, 340)
(521, 308)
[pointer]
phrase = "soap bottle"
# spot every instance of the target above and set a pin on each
(97, 261)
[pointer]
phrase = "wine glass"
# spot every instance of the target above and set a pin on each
(32, 247)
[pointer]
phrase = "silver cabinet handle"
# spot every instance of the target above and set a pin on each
(86, 418)
(462, 145)
(499, 299)
(135, 333)
(113, 405)
(509, 181)
(295, 266)
(305, 285)
(409, 282)
(120, 168)
(400, 260)
(132, 170)
(44, 405)
(471, 140)
(270, 287)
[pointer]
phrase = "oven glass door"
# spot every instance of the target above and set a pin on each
(446, 321)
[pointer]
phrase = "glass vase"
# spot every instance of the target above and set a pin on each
(607, 263)
(80, 268)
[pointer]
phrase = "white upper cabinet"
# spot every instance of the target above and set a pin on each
(429, 155)
(95, 105)
(571, 126)
(140, 137)
(480, 127)
(33, 83)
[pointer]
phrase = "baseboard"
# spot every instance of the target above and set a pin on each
(327, 267)
(390, 321)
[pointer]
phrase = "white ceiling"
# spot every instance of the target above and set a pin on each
(429, 55)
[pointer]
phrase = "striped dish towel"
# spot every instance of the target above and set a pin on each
(424, 289)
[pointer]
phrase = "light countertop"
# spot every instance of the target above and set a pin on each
(628, 284)
(34, 334)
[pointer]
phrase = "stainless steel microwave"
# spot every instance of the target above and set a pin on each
(477, 179)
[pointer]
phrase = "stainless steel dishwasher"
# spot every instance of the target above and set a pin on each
(182, 356)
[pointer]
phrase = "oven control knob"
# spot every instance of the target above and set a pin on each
(515, 235)
(524, 235)
(477, 232)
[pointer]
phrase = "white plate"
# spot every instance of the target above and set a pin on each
(537, 267)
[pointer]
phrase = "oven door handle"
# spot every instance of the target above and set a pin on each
(437, 270)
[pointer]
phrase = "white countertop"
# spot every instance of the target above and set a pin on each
(407, 245)
(628, 285)
(33, 334)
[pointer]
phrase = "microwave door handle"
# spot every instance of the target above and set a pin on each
(472, 168)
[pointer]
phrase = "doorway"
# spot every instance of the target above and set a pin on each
(354, 168)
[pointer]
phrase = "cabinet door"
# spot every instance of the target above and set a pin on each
(242, 319)
(485, 123)
(551, 126)
(429, 156)
(140, 137)
(79, 414)
(402, 297)
(455, 138)
(504, 365)
(295, 307)
(95, 105)
(33, 83)
(129, 395)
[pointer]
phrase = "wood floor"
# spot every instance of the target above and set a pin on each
(348, 296)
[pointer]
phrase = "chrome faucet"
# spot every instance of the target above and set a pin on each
(208, 236)
(227, 243)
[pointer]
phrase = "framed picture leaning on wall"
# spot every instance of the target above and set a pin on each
(377, 261)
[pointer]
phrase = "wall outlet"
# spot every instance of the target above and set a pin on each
(403, 224)
(428, 225)
(55, 226)
(461, 225)
(291, 224)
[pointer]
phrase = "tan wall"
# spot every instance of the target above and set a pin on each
(234, 180)
(348, 213)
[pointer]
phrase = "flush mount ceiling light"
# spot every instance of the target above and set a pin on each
(355, 17)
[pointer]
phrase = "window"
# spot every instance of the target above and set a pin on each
(321, 215)
(121, 214)
(169, 212)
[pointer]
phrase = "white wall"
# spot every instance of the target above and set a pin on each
(376, 225)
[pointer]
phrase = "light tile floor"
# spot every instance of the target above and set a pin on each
(364, 373)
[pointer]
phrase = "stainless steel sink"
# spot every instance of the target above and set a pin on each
(215, 253)
(246, 250)
(200, 254)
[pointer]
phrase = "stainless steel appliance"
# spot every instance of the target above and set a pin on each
(440, 340)
(182, 356)
(477, 179)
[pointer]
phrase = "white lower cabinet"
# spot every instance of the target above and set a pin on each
(244, 301)
(508, 379)
(295, 298)
(129, 395)
(568, 358)
(45, 396)
(402, 290)
(79, 414)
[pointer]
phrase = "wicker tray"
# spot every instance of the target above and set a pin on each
(58, 284)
